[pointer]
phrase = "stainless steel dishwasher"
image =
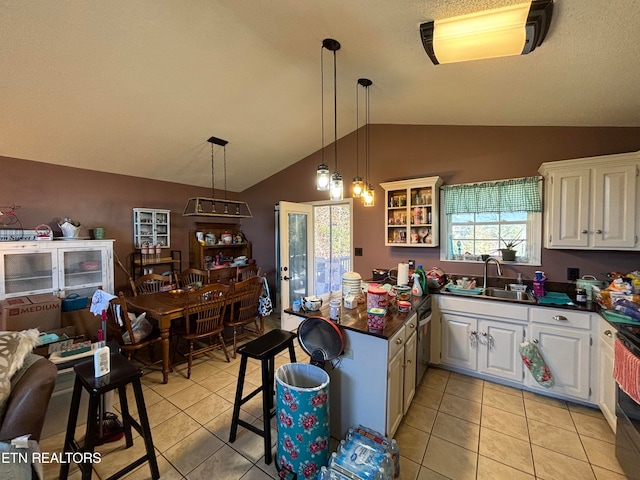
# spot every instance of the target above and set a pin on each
(424, 337)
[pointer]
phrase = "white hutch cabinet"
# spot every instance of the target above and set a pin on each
(151, 226)
(58, 267)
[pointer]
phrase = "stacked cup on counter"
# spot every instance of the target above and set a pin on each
(377, 302)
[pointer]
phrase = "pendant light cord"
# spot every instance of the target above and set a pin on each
(322, 102)
(213, 187)
(335, 111)
(225, 171)
(357, 133)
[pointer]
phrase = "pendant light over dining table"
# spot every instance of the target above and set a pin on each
(216, 207)
(334, 182)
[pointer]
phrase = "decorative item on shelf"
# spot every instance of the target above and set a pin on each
(227, 238)
(368, 193)
(70, 228)
(217, 207)
(512, 30)
(98, 233)
(43, 232)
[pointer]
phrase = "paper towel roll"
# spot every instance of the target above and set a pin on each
(403, 274)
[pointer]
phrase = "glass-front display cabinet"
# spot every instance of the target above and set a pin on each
(411, 212)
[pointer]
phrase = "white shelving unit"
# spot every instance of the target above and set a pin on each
(151, 226)
(411, 212)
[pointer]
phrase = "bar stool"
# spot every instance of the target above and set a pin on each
(122, 374)
(264, 348)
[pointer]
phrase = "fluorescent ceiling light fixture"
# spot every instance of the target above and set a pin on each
(514, 30)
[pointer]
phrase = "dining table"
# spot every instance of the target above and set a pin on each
(163, 307)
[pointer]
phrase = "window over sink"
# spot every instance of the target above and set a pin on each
(483, 219)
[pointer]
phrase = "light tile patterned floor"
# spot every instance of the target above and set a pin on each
(458, 427)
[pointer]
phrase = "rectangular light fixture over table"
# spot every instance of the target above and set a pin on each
(513, 30)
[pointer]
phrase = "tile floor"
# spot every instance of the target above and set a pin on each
(458, 427)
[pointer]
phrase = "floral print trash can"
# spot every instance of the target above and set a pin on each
(302, 411)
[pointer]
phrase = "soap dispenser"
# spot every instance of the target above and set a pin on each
(416, 290)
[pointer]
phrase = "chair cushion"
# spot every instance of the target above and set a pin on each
(14, 347)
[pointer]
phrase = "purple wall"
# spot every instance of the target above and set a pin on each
(458, 154)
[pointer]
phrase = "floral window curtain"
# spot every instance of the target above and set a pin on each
(513, 195)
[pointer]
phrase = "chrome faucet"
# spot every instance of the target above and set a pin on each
(484, 275)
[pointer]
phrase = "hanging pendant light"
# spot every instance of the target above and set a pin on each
(335, 184)
(368, 194)
(206, 207)
(357, 186)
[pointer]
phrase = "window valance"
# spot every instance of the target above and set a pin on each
(512, 195)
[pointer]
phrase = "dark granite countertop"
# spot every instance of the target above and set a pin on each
(355, 319)
(585, 307)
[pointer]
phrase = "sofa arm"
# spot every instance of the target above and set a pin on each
(27, 404)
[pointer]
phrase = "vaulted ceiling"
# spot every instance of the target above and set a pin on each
(137, 86)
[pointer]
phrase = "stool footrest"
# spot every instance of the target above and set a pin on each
(251, 395)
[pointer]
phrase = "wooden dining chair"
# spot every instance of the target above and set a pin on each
(243, 316)
(246, 272)
(120, 329)
(193, 277)
(203, 323)
(152, 283)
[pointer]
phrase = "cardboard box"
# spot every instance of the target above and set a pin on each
(33, 311)
(85, 322)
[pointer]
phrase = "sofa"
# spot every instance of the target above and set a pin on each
(26, 385)
(31, 389)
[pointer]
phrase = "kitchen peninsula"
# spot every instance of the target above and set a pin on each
(374, 380)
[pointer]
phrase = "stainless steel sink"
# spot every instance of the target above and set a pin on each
(500, 294)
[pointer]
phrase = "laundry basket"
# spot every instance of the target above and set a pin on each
(302, 402)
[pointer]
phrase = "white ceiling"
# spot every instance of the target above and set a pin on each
(136, 87)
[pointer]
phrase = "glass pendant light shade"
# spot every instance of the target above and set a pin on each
(369, 196)
(337, 187)
(357, 187)
(322, 177)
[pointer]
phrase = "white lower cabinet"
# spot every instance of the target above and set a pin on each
(459, 345)
(498, 353)
(486, 346)
(401, 374)
(564, 340)
(606, 383)
(483, 337)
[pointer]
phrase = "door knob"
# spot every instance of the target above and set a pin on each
(598, 232)
(286, 278)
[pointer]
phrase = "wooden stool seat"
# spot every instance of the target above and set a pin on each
(122, 374)
(264, 348)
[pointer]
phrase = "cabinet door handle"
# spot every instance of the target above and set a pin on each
(584, 231)
(560, 318)
(598, 232)
(536, 341)
(412, 325)
(608, 333)
(399, 341)
(473, 339)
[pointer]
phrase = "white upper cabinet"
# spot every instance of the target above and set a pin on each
(412, 211)
(592, 203)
